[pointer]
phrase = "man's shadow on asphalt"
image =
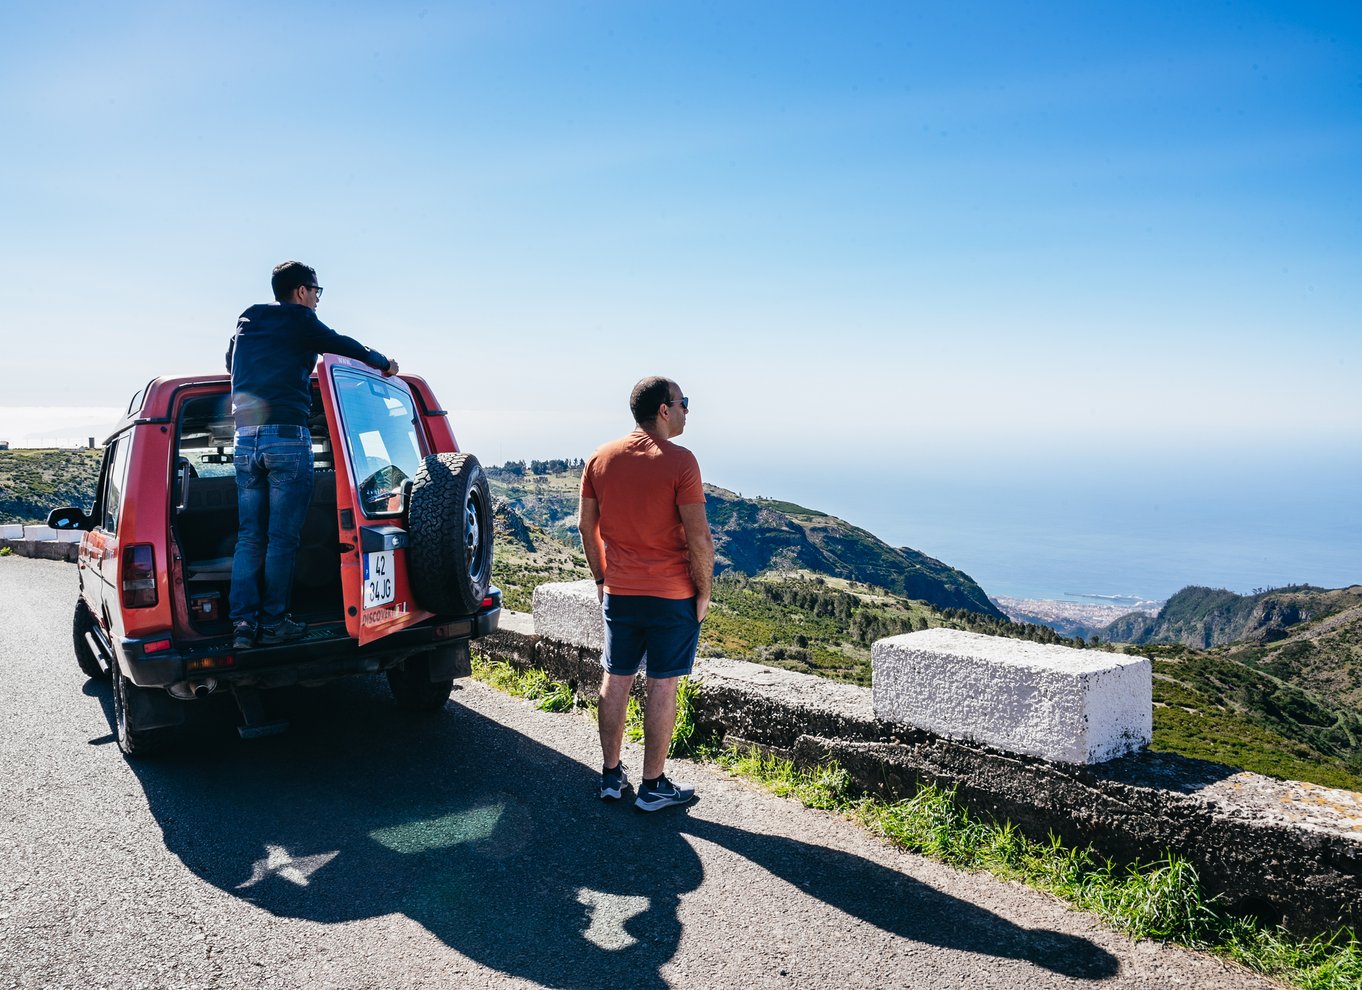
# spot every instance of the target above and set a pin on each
(498, 846)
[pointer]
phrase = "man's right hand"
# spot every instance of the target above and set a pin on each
(392, 368)
(701, 609)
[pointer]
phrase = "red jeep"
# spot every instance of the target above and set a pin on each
(393, 573)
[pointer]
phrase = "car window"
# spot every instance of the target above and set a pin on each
(382, 437)
(205, 435)
(113, 482)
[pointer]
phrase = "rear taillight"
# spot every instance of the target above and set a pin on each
(139, 576)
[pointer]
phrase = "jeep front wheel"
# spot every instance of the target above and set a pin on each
(451, 534)
(88, 655)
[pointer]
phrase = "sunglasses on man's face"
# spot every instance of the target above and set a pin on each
(315, 288)
(684, 400)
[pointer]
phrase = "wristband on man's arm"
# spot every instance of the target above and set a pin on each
(600, 580)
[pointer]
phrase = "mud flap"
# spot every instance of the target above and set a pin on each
(450, 661)
(152, 708)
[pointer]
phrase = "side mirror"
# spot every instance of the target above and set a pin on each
(71, 517)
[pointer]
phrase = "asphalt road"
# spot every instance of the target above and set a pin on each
(370, 848)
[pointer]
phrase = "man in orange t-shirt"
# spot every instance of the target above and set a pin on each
(648, 545)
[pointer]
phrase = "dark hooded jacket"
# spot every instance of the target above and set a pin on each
(271, 357)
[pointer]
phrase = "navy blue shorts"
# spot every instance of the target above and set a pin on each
(662, 631)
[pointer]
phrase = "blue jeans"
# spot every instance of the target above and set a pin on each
(273, 490)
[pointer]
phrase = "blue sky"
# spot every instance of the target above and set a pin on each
(1048, 233)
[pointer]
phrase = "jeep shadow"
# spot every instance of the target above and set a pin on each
(498, 846)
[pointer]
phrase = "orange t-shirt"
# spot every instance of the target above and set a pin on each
(638, 482)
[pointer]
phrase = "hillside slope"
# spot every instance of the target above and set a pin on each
(1205, 617)
(756, 535)
(33, 482)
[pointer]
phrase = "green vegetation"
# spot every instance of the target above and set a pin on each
(1207, 617)
(1161, 900)
(33, 482)
(806, 622)
(533, 685)
(1288, 709)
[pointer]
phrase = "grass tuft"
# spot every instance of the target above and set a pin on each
(534, 685)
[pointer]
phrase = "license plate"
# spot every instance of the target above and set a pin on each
(379, 586)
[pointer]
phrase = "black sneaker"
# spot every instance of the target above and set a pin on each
(286, 631)
(613, 782)
(243, 636)
(662, 794)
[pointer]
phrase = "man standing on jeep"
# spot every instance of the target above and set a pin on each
(648, 545)
(271, 358)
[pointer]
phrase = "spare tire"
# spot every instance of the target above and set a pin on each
(450, 522)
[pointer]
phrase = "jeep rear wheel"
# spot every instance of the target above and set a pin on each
(133, 740)
(89, 656)
(412, 687)
(451, 534)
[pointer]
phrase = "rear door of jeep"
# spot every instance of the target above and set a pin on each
(379, 443)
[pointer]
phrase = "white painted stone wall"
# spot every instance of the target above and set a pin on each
(570, 612)
(11, 531)
(48, 533)
(1055, 702)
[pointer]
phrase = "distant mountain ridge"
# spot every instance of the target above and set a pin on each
(756, 535)
(1202, 617)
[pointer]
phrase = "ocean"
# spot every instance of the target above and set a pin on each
(1082, 534)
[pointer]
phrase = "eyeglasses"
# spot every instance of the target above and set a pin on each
(315, 288)
(684, 400)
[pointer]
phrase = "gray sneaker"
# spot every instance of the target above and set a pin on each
(286, 631)
(613, 782)
(662, 794)
(243, 636)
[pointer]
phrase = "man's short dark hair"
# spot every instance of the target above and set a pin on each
(289, 276)
(647, 395)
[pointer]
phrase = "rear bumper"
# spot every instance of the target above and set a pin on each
(325, 653)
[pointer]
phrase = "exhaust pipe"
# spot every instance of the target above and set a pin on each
(190, 690)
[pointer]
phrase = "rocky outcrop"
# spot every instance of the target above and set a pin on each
(1206, 617)
(508, 523)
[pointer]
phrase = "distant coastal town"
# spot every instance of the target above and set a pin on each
(1073, 617)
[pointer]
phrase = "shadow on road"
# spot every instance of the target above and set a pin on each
(498, 846)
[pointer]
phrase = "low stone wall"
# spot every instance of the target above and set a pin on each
(1284, 852)
(44, 549)
(40, 541)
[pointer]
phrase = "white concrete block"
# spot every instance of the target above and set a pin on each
(570, 612)
(11, 531)
(39, 533)
(68, 536)
(1055, 702)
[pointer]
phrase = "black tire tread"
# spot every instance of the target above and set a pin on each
(90, 664)
(440, 568)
